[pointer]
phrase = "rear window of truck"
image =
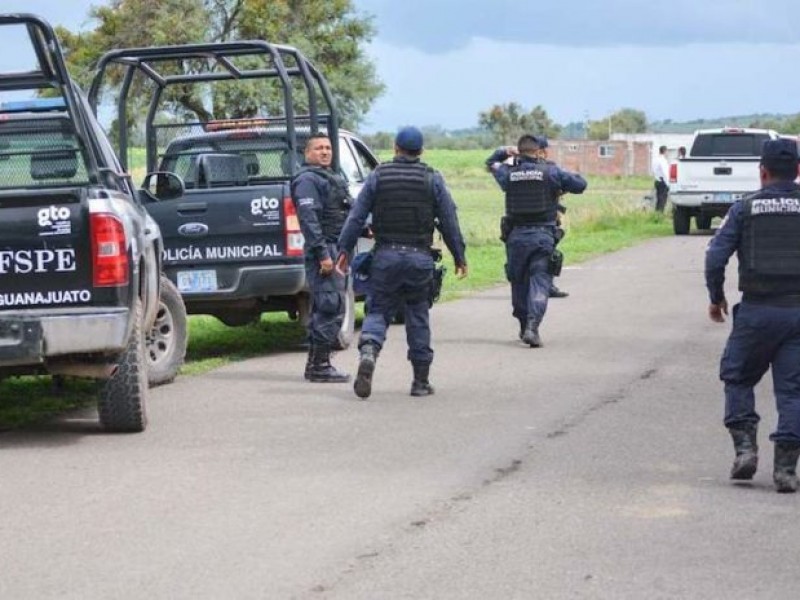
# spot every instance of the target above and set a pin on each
(728, 144)
(40, 153)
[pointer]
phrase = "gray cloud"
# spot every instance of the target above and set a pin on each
(442, 25)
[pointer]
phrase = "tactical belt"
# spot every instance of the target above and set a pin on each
(405, 247)
(772, 299)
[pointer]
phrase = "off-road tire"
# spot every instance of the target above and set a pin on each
(122, 404)
(703, 221)
(167, 338)
(681, 220)
(345, 336)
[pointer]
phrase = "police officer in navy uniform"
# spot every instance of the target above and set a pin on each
(532, 187)
(764, 230)
(406, 198)
(322, 200)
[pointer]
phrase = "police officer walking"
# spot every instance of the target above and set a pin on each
(405, 197)
(532, 189)
(764, 230)
(322, 200)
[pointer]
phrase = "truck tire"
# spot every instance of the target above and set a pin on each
(703, 221)
(122, 405)
(167, 339)
(680, 220)
(346, 333)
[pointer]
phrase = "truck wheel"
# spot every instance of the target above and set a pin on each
(703, 221)
(346, 333)
(680, 220)
(167, 339)
(122, 404)
(303, 301)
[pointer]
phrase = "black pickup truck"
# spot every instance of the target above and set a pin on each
(232, 241)
(81, 292)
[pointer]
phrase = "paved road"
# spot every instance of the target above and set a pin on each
(595, 467)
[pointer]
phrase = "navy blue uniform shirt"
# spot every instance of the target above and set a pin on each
(726, 241)
(444, 211)
(310, 191)
(566, 182)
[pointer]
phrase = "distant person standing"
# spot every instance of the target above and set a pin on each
(681, 152)
(661, 176)
(532, 187)
(764, 230)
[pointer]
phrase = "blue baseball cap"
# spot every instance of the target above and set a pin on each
(541, 141)
(779, 152)
(409, 139)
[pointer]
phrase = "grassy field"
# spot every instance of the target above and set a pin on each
(607, 217)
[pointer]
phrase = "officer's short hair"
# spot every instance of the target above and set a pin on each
(779, 157)
(528, 144)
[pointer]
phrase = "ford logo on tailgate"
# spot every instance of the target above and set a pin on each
(193, 229)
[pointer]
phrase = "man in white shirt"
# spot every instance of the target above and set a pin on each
(661, 176)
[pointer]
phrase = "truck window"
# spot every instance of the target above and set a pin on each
(40, 153)
(348, 162)
(365, 159)
(728, 144)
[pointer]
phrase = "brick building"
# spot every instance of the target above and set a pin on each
(589, 157)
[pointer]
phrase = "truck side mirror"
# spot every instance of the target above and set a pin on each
(163, 185)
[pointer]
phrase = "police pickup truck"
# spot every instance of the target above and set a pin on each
(232, 240)
(721, 167)
(80, 283)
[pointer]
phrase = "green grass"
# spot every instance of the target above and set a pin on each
(607, 217)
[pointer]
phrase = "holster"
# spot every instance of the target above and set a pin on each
(436, 285)
(506, 226)
(555, 263)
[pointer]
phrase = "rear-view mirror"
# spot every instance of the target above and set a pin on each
(163, 185)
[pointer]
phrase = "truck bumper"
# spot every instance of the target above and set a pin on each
(714, 204)
(32, 336)
(247, 282)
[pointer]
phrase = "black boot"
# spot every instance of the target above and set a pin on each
(557, 293)
(531, 334)
(421, 386)
(309, 363)
(322, 371)
(521, 328)
(746, 448)
(784, 474)
(368, 355)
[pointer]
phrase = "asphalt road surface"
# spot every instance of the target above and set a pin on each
(595, 467)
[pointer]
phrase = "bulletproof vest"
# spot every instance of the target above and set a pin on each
(404, 204)
(769, 254)
(336, 206)
(530, 197)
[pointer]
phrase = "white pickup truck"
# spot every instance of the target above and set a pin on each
(721, 167)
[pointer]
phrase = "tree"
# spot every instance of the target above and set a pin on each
(507, 122)
(626, 120)
(329, 32)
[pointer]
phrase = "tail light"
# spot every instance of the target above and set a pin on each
(673, 173)
(294, 237)
(109, 251)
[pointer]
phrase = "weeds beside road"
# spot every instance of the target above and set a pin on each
(607, 217)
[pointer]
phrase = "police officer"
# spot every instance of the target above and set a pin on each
(532, 189)
(322, 200)
(764, 230)
(405, 197)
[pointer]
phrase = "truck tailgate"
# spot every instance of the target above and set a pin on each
(210, 235)
(45, 253)
(724, 176)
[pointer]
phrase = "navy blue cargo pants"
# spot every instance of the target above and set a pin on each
(327, 303)
(763, 336)
(528, 251)
(397, 276)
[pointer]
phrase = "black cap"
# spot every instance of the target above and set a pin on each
(540, 141)
(780, 152)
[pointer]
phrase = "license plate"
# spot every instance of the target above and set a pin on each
(197, 281)
(723, 198)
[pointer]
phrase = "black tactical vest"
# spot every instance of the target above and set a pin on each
(336, 206)
(769, 254)
(404, 204)
(530, 196)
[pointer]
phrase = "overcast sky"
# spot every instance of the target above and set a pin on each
(443, 61)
